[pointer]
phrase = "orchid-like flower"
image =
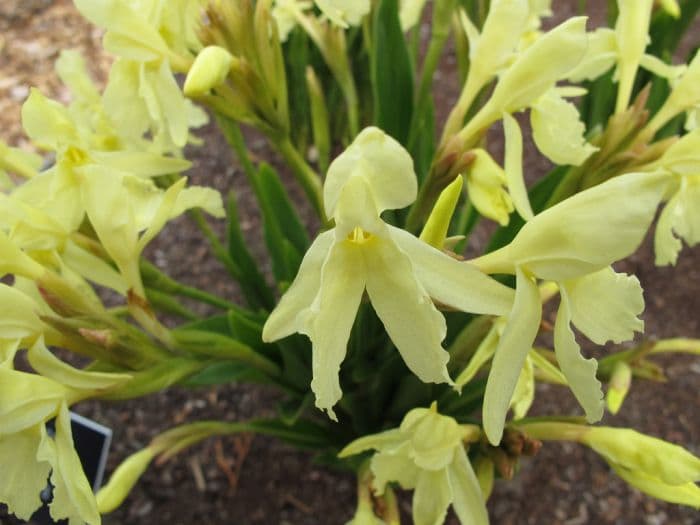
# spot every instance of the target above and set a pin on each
(113, 188)
(399, 272)
(556, 125)
(554, 55)
(427, 454)
(344, 13)
(285, 13)
(152, 38)
(29, 455)
(624, 48)
(573, 243)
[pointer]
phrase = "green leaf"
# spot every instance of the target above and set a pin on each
(292, 408)
(392, 74)
(284, 233)
(599, 102)
(302, 433)
(296, 54)
(249, 331)
(277, 199)
(424, 148)
(410, 393)
(296, 361)
(666, 32)
(167, 303)
(217, 324)
(252, 281)
(226, 372)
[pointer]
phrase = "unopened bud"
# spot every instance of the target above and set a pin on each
(637, 452)
(671, 7)
(620, 382)
(123, 480)
(435, 230)
(210, 69)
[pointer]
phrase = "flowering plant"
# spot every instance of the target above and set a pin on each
(422, 365)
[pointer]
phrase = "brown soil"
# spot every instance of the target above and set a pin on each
(257, 480)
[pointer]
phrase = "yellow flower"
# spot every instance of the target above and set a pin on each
(399, 272)
(28, 454)
(426, 453)
(344, 13)
(573, 243)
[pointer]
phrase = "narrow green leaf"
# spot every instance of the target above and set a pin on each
(392, 75)
(296, 52)
(226, 372)
(252, 281)
(277, 199)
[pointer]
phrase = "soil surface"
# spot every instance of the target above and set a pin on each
(256, 480)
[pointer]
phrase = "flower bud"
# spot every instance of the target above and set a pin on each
(435, 230)
(123, 480)
(210, 69)
(637, 452)
(620, 382)
(671, 7)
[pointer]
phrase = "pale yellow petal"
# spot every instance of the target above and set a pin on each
(451, 282)
(600, 56)
(558, 131)
(432, 497)
(513, 347)
(580, 372)
(122, 20)
(605, 305)
(552, 57)
(394, 466)
(524, 393)
(72, 495)
(433, 436)
(72, 70)
(329, 320)
(23, 477)
(413, 323)
(483, 354)
(140, 163)
(666, 245)
(27, 399)
(283, 320)
(513, 167)
(383, 162)
(504, 25)
(434, 232)
(486, 188)
(15, 261)
(467, 498)
(380, 441)
(632, 37)
(18, 314)
(584, 233)
(410, 12)
(47, 122)
(344, 13)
